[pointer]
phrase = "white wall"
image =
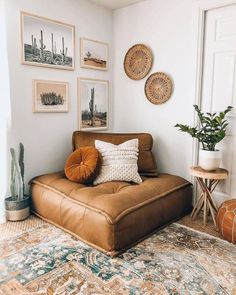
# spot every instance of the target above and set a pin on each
(5, 117)
(169, 27)
(47, 136)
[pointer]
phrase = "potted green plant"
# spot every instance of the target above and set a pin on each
(211, 130)
(18, 204)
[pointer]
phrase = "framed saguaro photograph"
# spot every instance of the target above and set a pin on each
(93, 54)
(50, 96)
(46, 42)
(93, 104)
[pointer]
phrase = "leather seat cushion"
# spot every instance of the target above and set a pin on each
(113, 215)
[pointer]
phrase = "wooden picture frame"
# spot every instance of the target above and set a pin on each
(94, 54)
(50, 96)
(46, 42)
(93, 104)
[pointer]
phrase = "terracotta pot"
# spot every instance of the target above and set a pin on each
(209, 160)
(17, 210)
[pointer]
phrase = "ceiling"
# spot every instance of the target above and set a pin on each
(114, 4)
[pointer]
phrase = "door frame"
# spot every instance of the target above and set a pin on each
(203, 7)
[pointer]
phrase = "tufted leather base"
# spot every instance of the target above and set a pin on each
(114, 215)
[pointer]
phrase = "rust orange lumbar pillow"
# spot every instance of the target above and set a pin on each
(81, 164)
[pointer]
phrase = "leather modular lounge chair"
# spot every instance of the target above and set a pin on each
(114, 215)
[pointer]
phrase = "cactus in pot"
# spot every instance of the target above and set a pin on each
(17, 205)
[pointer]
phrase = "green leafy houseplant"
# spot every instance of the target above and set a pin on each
(212, 128)
(17, 205)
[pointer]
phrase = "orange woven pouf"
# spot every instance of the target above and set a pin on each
(226, 220)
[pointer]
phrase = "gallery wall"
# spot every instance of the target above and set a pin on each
(47, 136)
(169, 28)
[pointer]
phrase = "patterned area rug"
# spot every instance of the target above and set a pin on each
(176, 260)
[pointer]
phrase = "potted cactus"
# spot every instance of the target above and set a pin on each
(18, 204)
(211, 131)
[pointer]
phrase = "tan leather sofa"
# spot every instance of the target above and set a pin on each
(115, 215)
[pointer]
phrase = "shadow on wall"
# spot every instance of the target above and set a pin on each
(5, 115)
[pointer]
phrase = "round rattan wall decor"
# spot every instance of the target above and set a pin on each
(138, 61)
(158, 88)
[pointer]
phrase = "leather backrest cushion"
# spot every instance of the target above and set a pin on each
(146, 160)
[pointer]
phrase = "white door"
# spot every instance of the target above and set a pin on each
(219, 86)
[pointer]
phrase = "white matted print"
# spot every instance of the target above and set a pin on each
(93, 104)
(93, 54)
(46, 42)
(50, 96)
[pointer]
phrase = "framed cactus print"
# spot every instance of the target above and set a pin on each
(46, 42)
(93, 54)
(50, 96)
(93, 104)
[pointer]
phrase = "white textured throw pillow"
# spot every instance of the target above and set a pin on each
(119, 162)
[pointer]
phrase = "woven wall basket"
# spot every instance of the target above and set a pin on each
(158, 88)
(138, 61)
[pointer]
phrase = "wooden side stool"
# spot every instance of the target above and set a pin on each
(208, 181)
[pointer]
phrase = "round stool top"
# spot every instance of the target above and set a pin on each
(217, 174)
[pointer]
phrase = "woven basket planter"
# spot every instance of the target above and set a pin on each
(17, 210)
